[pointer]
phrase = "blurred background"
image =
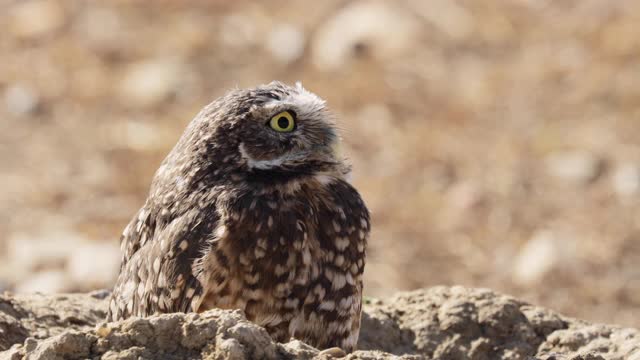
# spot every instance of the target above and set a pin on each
(496, 143)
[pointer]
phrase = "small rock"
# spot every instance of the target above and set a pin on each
(103, 330)
(383, 29)
(575, 166)
(34, 19)
(94, 265)
(634, 354)
(626, 180)
(286, 43)
(48, 282)
(300, 350)
(47, 251)
(536, 258)
(136, 135)
(21, 100)
(4, 286)
(334, 352)
(149, 83)
(30, 344)
(230, 349)
(238, 31)
(100, 294)
(141, 136)
(101, 29)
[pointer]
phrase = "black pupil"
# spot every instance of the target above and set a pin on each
(283, 122)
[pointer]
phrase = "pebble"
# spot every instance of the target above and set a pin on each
(238, 31)
(626, 180)
(34, 19)
(300, 348)
(579, 167)
(149, 83)
(94, 265)
(50, 281)
(141, 136)
(21, 100)
(536, 258)
(102, 30)
(50, 250)
(382, 29)
(286, 43)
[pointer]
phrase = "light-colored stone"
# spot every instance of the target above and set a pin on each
(21, 100)
(384, 29)
(238, 31)
(94, 265)
(576, 166)
(141, 136)
(626, 180)
(149, 83)
(286, 43)
(47, 282)
(49, 250)
(101, 28)
(536, 258)
(33, 19)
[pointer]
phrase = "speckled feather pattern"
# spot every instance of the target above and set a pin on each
(240, 216)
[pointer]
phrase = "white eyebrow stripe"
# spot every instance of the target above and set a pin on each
(301, 100)
(305, 96)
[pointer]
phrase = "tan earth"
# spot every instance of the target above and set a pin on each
(496, 142)
(437, 323)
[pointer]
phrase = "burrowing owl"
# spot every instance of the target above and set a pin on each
(251, 210)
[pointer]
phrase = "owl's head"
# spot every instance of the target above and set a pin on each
(270, 133)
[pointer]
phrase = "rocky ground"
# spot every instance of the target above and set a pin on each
(496, 142)
(437, 323)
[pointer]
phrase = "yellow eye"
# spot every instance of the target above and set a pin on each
(282, 122)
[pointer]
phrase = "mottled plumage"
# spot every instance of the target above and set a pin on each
(241, 216)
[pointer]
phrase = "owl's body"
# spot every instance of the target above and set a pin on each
(243, 215)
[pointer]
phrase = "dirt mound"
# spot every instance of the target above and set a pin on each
(436, 323)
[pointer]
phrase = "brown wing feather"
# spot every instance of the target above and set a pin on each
(156, 273)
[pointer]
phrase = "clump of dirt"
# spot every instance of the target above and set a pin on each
(436, 323)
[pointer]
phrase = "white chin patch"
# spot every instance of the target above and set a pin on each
(262, 164)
